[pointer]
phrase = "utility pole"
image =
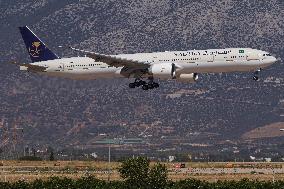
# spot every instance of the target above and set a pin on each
(108, 178)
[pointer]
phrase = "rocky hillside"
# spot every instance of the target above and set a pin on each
(62, 112)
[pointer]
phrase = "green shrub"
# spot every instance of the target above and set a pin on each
(94, 183)
(137, 173)
(20, 185)
(158, 176)
(30, 158)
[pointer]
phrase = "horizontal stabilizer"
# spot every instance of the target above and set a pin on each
(30, 67)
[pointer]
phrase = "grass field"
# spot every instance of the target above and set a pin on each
(30, 170)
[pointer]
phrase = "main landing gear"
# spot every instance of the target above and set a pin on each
(145, 86)
(256, 75)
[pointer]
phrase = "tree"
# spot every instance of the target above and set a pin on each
(158, 176)
(138, 175)
(135, 172)
(51, 157)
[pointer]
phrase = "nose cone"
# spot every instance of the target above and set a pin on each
(273, 59)
(269, 60)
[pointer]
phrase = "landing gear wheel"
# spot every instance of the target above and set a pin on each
(156, 85)
(145, 87)
(132, 85)
(151, 86)
(142, 82)
(255, 78)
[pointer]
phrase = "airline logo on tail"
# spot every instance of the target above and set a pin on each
(35, 47)
(34, 50)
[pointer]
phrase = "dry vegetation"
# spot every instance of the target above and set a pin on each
(267, 131)
(24, 170)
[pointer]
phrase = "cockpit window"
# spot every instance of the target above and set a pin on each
(266, 54)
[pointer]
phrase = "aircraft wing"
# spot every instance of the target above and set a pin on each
(30, 67)
(115, 61)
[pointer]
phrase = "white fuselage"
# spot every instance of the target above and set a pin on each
(194, 61)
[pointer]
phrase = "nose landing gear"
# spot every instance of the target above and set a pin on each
(256, 75)
(255, 78)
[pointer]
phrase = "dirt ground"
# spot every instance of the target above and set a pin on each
(30, 170)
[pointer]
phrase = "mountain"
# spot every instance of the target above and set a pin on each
(66, 113)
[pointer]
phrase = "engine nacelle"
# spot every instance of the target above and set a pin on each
(163, 70)
(188, 78)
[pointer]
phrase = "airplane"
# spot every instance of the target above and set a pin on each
(183, 66)
(281, 129)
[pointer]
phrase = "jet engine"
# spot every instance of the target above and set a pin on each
(163, 71)
(188, 78)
